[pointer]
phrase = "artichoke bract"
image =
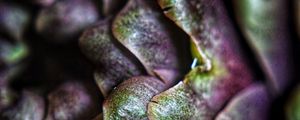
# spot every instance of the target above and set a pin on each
(292, 107)
(7, 97)
(253, 103)
(30, 106)
(72, 101)
(223, 70)
(145, 32)
(66, 19)
(12, 57)
(130, 99)
(14, 19)
(265, 26)
(176, 103)
(115, 62)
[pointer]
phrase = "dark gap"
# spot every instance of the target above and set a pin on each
(154, 101)
(46, 107)
(253, 60)
(125, 51)
(278, 105)
(166, 9)
(181, 40)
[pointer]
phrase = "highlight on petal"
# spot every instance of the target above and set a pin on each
(265, 25)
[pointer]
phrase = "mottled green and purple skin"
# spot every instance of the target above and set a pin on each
(66, 19)
(130, 99)
(115, 63)
(12, 62)
(253, 103)
(265, 25)
(292, 107)
(29, 106)
(12, 52)
(145, 32)
(73, 101)
(176, 103)
(222, 71)
(14, 20)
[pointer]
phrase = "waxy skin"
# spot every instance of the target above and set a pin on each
(264, 23)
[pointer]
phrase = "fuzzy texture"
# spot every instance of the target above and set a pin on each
(130, 99)
(66, 19)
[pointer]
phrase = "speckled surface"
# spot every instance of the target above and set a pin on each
(222, 69)
(130, 99)
(143, 30)
(115, 63)
(72, 101)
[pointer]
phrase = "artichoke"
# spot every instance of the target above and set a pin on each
(149, 60)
